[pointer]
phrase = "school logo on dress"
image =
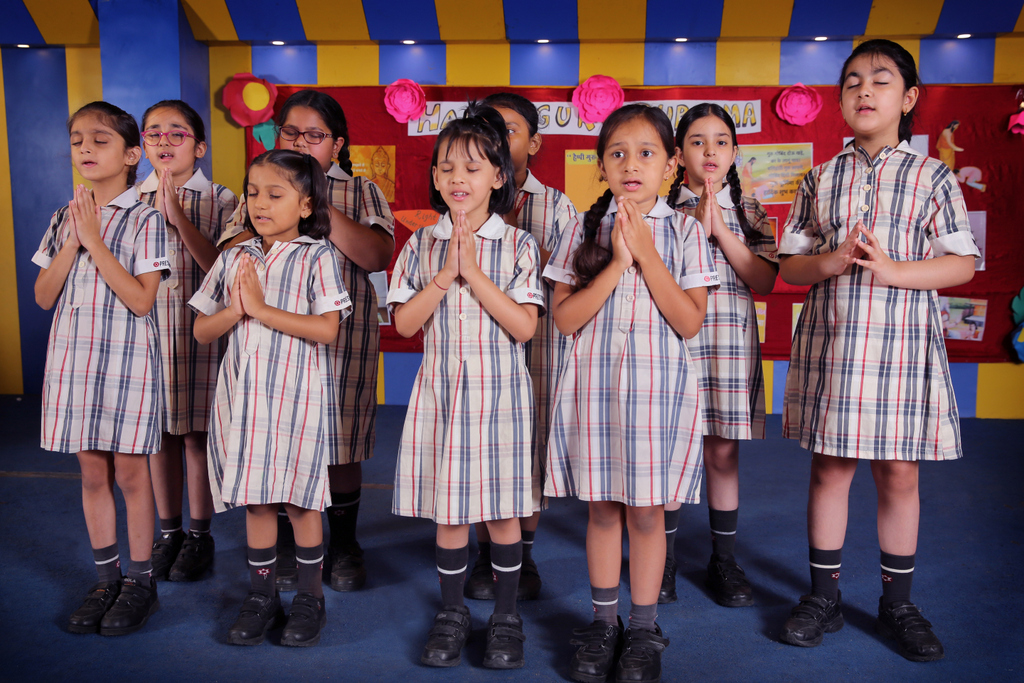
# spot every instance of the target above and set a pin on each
(337, 302)
(529, 295)
(156, 264)
(707, 278)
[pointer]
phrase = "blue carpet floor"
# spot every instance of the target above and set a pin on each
(968, 581)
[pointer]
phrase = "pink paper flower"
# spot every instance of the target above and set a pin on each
(597, 97)
(404, 99)
(250, 100)
(798, 105)
(1017, 123)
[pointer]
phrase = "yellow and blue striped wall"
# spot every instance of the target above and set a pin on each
(135, 52)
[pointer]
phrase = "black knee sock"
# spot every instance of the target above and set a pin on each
(311, 567)
(485, 551)
(606, 604)
(451, 568)
(169, 526)
(643, 616)
(108, 563)
(825, 565)
(671, 524)
(897, 577)
(285, 533)
(723, 531)
(141, 571)
(262, 570)
(342, 516)
(528, 537)
(507, 563)
(199, 526)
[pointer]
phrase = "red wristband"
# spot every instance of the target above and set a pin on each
(443, 289)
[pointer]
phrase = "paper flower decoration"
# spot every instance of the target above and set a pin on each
(404, 100)
(798, 105)
(1017, 123)
(597, 97)
(249, 99)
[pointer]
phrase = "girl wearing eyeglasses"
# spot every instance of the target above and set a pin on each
(362, 232)
(195, 211)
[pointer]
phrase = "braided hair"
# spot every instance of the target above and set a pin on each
(732, 178)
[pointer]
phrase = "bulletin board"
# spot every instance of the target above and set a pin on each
(990, 170)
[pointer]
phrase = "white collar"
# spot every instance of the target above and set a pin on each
(904, 147)
(335, 172)
(492, 229)
(724, 196)
(125, 200)
(197, 182)
(532, 185)
(661, 209)
(257, 241)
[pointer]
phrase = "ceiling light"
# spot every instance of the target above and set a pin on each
(22, 45)
(277, 42)
(820, 39)
(964, 35)
(543, 41)
(681, 40)
(408, 42)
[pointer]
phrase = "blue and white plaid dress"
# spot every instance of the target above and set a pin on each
(267, 434)
(467, 446)
(627, 424)
(102, 380)
(727, 351)
(189, 368)
(355, 355)
(868, 376)
(545, 213)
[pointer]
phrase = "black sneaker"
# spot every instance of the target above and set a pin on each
(667, 594)
(86, 619)
(913, 633)
(447, 637)
(480, 584)
(640, 661)
(132, 609)
(306, 618)
(599, 646)
(259, 614)
(165, 552)
(728, 583)
(529, 581)
(811, 619)
(195, 558)
(504, 649)
(347, 570)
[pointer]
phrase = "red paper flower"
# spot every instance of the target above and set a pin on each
(404, 99)
(798, 105)
(1017, 123)
(597, 97)
(249, 99)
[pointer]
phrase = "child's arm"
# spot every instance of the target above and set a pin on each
(684, 309)
(209, 328)
(369, 247)
(948, 270)
(51, 279)
(806, 269)
(758, 273)
(321, 328)
(519, 320)
(167, 203)
(138, 292)
(412, 315)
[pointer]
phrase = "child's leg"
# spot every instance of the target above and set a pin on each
(348, 572)
(480, 584)
(261, 607)
(450, 629)
(132, 475)
(309, 547)
(197, 548)
(726, 579)
(604, 557)
(98, 506)
(646, 552)
(506, 561)
(167, 474)
(529, 577)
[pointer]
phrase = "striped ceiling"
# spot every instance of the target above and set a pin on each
(74, 22)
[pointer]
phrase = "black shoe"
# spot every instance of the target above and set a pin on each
(667, 594)
(504, 649)
(259, 614)
(728, 584)
(86, 619)
(529, 581)
(305, 619)
(811, 619)
(903, 621)
(347, 570)
(195, 558)
(447, 637)
(480, 585)
(132, 609)
(287, 577)
(640, 661)
(600, 644)
(165, 552)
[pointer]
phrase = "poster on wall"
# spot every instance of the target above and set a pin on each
(582, 182)
(978, 221)
(377, 164)
(771, 174)
(761, 311)
(379, 280)
(963, 318)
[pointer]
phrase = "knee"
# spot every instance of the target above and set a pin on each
(95, 480)
(896, 479)
(195, 445)
(645, 520)
(606, 515)
(828, 471)
(132, 474)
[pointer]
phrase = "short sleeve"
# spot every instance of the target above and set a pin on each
(698, 264)
(559, 266)
(224, 205)
(53, 239)
(524, 287)
(797, 237)
(213, 295)
(763, 242)
(405, 278)
(150, 248)
(949, 229)
(326, 288)
(235, 224)
(374, 209)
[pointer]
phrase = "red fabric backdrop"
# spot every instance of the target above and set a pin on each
(982, 110)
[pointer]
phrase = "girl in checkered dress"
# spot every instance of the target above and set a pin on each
(472, 283)
(874, 232)
(195, 211)
(279, 297)
(726, 351)
(631, 285)
(101, 260)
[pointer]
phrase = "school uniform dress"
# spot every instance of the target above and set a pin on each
(868, 377)
(545, 213)
(467, 446)
(102, 379)
(267, 432)
(190, 368)
(727, 351)
(627, 424)
(355, 354)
